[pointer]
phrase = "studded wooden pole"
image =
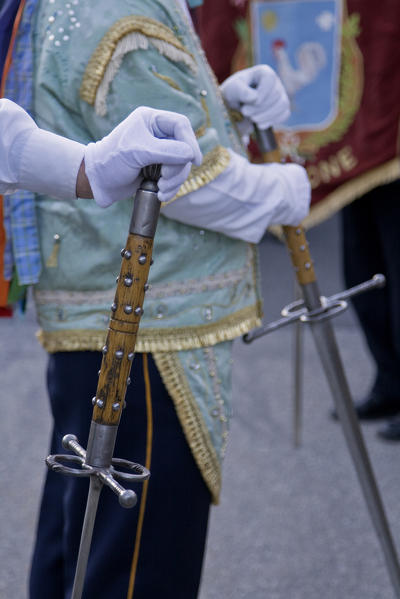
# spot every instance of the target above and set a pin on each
(127, 309)
(119, 348)
(295, 237)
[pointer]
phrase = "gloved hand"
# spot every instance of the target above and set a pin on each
(259, 95)
(246, 199)
(146, 136)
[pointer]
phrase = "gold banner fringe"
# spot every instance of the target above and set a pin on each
(347, 193)
(191, 419)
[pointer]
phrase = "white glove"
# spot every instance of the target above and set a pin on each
(259, 95)
(145, 137)
(246, 199)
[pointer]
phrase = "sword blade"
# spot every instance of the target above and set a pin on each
(86, 536)
(328, 352)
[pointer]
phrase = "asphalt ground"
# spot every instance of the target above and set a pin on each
(292, 522)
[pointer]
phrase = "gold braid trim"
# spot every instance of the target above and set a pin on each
(214, 163)
(168, 80)
(236, 116)
(153, 340)
(101, 57)
(191, 419)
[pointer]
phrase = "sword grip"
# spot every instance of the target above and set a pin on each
(295, 237)
(127, 308)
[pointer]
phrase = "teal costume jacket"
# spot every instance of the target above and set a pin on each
(96, 61)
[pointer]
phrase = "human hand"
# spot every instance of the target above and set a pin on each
(258, 93)
(147, 136)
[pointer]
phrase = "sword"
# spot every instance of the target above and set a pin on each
(97, 461)
(317, 311)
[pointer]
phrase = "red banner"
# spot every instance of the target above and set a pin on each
(359, 148)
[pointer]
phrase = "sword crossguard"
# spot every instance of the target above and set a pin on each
(108, 476)
(329, 308)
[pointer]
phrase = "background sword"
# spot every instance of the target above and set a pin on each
(118, 353)
(317, 312)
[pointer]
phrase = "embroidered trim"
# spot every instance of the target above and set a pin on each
(96, 298)
(191, 419)
(236, 116)
(128, 34)
(214, 163)
(168, 80)
(151, 340)
(211, 361)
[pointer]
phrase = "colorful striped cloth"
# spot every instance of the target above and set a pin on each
(22, 247)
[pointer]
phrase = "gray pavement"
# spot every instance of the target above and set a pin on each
(292, 523)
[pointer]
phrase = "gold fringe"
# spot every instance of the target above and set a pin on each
(346, 193)
(153, 340)
(191, 419)
(214, 163)
(100, 58)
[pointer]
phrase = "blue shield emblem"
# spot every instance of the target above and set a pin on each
(301, 40)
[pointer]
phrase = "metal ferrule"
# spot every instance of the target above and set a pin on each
(266, 139)
(145, 211)
(101, 444)
(312, 296)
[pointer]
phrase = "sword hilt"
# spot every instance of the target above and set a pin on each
(329, 308)
(295, 237)
(108, 476)
(118, 354)
(127, 308)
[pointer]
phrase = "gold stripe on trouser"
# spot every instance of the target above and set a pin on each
(142, 508)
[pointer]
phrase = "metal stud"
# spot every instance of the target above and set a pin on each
(105, 350)
(151, 262)
(114, 307)
(98, 374)
(138, 311)
(307, 266)
(128, 281)
(131, 355)
(203, 93)
(128, 380)
(94, 400)
(115, 407)
(146, 287)
(119, 354)
(298, 231)
(142, 259)
(302, 248)
(128, 254)
(123, 252)
(100, 404)
(128, 309)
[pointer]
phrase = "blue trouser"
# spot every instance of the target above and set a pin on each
(175, 509)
